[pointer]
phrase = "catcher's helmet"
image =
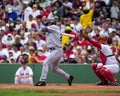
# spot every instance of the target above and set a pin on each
(50, 21)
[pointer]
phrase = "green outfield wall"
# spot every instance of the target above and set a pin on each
(82, 73)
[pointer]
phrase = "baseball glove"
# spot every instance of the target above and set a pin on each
(85, 34)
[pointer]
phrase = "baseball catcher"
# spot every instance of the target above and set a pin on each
(109, 65)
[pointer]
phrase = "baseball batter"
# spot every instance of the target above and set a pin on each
(53, 42)
(105, 71)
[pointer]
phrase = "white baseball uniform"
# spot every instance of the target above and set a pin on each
(24, 73)
(111, 62)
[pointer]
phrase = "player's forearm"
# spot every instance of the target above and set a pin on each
(69, 35)
(53, 28)
(96, 44)
(29, 76)
(45, 29)
(18, 76)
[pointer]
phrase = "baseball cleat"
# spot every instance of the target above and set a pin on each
(102, 83)
(114, 83)
(70, 80)
(40, 83)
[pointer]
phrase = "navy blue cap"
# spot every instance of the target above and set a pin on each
(4, 57)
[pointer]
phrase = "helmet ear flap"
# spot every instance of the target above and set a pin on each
(53, 22)
(50, 21)
(45, 23)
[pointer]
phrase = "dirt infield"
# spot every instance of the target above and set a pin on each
(66, 87)
(62, 86)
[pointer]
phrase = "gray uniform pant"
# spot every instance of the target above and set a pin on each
(53, 61)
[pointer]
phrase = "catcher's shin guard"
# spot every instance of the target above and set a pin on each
(107, 74)
(94, 67)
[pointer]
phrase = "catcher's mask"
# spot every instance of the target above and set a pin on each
(102, 39)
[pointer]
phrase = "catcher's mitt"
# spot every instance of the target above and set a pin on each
(85, 34)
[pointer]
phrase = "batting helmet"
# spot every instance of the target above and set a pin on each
(50, 21)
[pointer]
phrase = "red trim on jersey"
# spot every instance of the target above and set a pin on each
(103, 57)
(98, 45)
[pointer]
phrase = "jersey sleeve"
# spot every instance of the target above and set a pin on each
(45, 29)
(53, 28)
(18, 71)
(30, 71)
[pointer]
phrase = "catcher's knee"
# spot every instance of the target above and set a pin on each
(102, 70)
(94, 66)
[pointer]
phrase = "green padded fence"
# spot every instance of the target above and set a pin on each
(82, 73)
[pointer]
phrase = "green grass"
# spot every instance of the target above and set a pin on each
(49, 92)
